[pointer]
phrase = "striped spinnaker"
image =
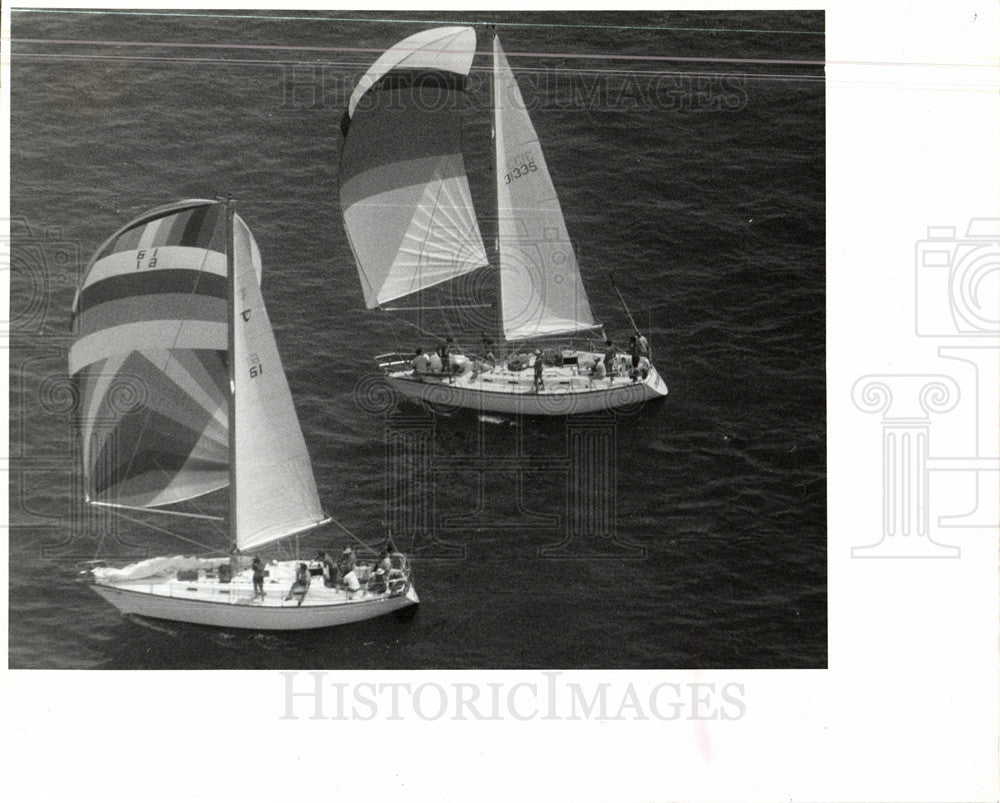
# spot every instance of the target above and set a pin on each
(149, 357)
(404, 193)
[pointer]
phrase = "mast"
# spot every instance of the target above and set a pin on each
(231, 330)
(496, 181)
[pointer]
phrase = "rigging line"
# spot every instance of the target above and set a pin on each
(342, 527)
(100, 543)
(197, 503)
(376, 20)
(164, 531)
(451, 334)
(423, 331)
(201, 516)
(427, 232)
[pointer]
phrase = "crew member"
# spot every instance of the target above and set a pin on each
(421, 364)
(258, 577)
(610, 353)
(598, 371)
(301, 584)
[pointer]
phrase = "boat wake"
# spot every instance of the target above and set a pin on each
(496, 419)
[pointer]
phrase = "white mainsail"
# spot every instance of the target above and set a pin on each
(404, 193)
(541, 290)
(274, 485)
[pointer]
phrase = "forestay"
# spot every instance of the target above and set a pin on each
(403, 188)
(275, 489)
(541, 290)
(148, 359)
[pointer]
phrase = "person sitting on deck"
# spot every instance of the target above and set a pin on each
(641, 370)
(435, 363)
(347, 561)
(385, 562)
(421, 364)
(488, 350)
(258, 577)
(301, 584)
(377, 584)
(448, 350)
(539, 366)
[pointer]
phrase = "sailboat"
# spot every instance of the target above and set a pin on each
(410, 221)
(182, 393)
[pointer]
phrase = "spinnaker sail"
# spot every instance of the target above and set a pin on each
(403, 188)
(148, 359)
(150, 363)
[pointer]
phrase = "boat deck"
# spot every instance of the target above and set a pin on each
(565, 388)
(556, 379)
(239, 590)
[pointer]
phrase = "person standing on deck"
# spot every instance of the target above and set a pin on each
(539, 366)
(258, 577)
(643, 345)
(610, 354)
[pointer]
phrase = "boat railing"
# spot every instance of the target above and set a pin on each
(397, 583)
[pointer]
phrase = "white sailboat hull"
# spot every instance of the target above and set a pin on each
(566, 391)
(207, 601)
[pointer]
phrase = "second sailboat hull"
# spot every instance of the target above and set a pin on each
(205, 599)
(246, 616)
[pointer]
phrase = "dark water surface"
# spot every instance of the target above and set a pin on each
(702, 540)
